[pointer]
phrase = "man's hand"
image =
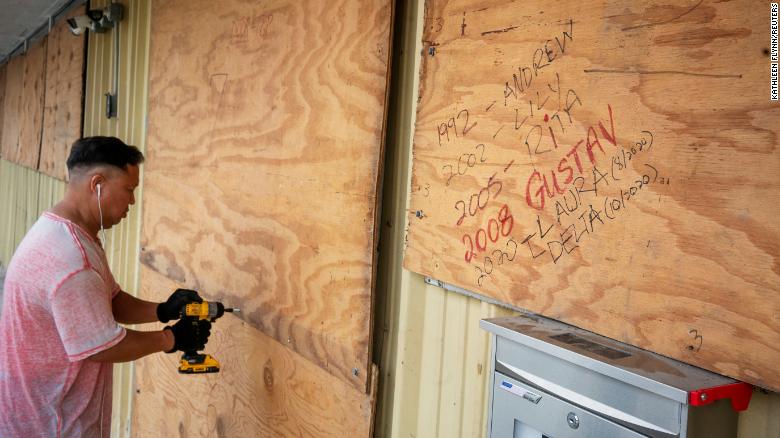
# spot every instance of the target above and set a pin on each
(174, 306)
(189, 335)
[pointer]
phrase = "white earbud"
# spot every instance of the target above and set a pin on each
(98, 190)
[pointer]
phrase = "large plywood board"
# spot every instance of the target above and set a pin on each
(263, 157)
(611, 164)
(263, 390)
(64, 97)
(23, 115)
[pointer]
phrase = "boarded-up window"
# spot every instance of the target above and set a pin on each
(23, 115)
(43, 105)
(260, 190)
(613, 164)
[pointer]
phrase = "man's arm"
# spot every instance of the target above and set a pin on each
(185, 335)
(136, 345)
(128, 309)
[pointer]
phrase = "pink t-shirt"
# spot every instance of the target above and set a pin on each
(56, 313)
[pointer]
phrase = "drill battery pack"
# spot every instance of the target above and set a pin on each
(198, 364)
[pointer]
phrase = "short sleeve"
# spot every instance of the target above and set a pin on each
(81, 307)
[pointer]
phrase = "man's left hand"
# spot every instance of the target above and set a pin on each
(173, 307)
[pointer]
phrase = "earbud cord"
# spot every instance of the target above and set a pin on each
(102, 400)
(103, 236)
(102, 231)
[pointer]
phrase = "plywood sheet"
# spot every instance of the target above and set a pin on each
(12, 100)
(611, 164)
(263, 390)
(263, 157)
(63, 108)
(23, 115)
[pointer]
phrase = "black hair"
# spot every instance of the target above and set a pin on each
(88, 152)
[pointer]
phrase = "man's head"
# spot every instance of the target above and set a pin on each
(105, 169)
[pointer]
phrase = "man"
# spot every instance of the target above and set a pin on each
(59, 328)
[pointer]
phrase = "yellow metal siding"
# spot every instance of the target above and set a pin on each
(434, 357)
(130, 126)
(122, 241)
(24, 195)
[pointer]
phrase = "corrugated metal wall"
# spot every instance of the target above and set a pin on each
(25, 193)
(433, 357)
(130, 125)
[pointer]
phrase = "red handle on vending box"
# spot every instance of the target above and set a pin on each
(739, 393)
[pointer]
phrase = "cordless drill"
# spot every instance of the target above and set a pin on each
(193, 362)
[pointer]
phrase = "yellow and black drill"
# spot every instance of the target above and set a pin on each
(193, 362)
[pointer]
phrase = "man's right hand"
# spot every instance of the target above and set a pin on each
(189, 335)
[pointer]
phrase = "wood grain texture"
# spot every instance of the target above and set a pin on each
(23, 115)
(63, 108)
(263, 390)
(610, 164)
(12, 100)
(260, 188)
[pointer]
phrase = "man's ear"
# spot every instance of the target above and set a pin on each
(96, 181)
